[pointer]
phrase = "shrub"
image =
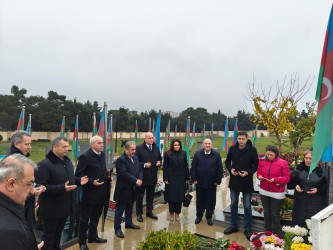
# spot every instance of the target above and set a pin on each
(165, 240)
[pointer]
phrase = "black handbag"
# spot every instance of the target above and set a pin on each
(187, 200)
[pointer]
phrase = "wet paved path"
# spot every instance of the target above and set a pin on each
(134, 237)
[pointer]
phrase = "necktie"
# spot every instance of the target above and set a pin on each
(150, 148)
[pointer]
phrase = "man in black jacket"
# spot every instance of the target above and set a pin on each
(94, 194)
(56, 173)
(150, 159)
(242, 162)
(129, 176)
(206, 173)
(16, 183)
(21, 144)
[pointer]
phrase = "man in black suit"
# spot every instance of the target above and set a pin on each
(150, 159)
(129, 177)
(94, 194)
(56, 173)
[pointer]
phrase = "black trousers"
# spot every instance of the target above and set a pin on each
(175, 207)
(150, 191)
(205, 200)
(52, 229)
(90, 213)
(120, 208)
(271, 213)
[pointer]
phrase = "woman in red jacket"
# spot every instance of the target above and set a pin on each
(273, 173)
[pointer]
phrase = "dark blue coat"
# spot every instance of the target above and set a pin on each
(53, 173)
(145, 155)
(94, 167)
(127, 175)
(206, 169)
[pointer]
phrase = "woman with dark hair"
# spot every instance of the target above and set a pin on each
(273, 173)
(175, 176)
(307, 191)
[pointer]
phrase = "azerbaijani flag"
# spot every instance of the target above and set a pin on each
(153, 130)
(203, 132)
(29, 125)
(255, 137)
(234, 140)
(174, 136)
(158, 130)
(211, 132)
(149, 129)
(20, 122)
(109, 138)
(101, 125)
(94, 126)
(136, 131)
(167, 136)
(62, 128)
(225, 139)
(322, 144)
(187, 143)
(75, 143)
(193, 136)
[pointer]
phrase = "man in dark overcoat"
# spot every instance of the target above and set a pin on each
(94, 195)
(242, 162)
(129, 176)
(150, 159)
(56, 173)
(206, 173)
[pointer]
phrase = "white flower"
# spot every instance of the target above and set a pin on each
(308, 223)
(297, 230)
(270, 247)
(310, 239)
(297, 239)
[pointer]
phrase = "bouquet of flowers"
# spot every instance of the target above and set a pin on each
(112, 205)
(301, 238)
(266, 241)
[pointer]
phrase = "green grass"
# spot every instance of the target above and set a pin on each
(38, 148)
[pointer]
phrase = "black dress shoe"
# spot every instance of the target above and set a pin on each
(133, 226)
(248, 234)
(119, 233)
(151, 215)
(210, 222)
(197, 220)
(84, 247)
(97, 239)
(139, 218)
(231, 230)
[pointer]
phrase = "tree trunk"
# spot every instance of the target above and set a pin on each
(278, 137)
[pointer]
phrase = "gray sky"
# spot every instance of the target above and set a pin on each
(167, 55)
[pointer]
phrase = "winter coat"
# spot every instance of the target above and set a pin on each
(128, 173)
(145, 155)
(245, 159)
(206, 169)
(306, 205)
(175, 171)
(53, 173)
(31, 199)
(94, 167)
(15, 232)
(277, 169)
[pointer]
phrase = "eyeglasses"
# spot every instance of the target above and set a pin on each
(30, 184)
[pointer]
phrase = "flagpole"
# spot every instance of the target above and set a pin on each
(23, 113)
(106, 158)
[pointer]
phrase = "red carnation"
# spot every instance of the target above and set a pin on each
(269, 233)
(211, 243)
(256, 233)
(260, 210)
(257, 243)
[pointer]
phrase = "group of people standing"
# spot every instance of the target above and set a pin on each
(55, 181)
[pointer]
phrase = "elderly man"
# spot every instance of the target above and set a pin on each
(16, 183)
(21, 144)
(150, 159)
(129, 176)
(94, 194)
(206, 173)
(56, 172)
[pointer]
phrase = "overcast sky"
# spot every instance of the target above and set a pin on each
(153, 54)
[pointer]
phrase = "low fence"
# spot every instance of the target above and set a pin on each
(123, 135)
